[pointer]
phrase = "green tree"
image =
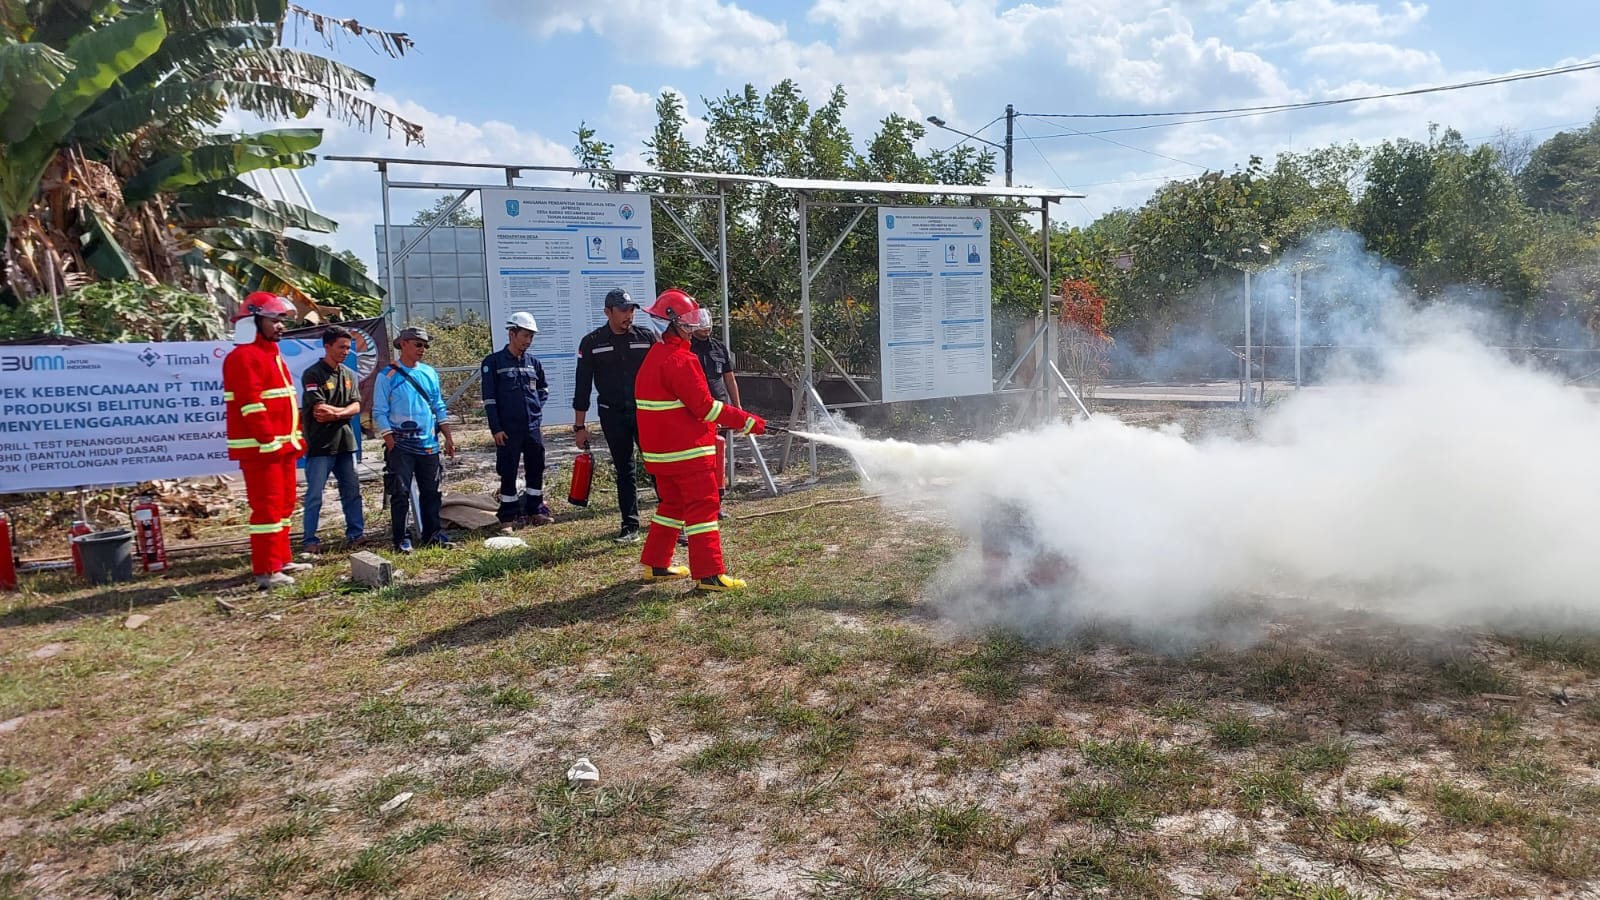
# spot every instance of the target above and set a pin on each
(460, 217)
(1563, 174)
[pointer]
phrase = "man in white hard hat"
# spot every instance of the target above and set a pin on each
(514, 392)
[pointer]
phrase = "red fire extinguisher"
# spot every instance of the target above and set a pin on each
(722, 461)
(8, 555)
(78, 528)
(147, 535)
(582, 479)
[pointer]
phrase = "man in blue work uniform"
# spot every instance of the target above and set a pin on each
(408, 409)
(608, 362)
(514, 391)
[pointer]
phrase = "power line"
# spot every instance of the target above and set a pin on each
(1316, 104)
(1090, 134)
(975, 131)
(1059, 182)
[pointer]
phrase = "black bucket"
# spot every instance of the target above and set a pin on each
(107, 555)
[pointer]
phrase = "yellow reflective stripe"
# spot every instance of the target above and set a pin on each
(249, 408)
(658, 405)
(716, 410)
(666, 522)
(227, 395)
(681, 455)
(242, 443)
(749, 425)
(702, 528)
(269, 528)
(275, 393)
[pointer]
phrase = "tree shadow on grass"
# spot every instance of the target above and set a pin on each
(602, 604)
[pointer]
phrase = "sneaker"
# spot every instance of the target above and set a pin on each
(628, 535)
(312, 547)
(295, 568)
(667, 573)
(403, 547)
(441, 540)
(719, 583)
(275, 580)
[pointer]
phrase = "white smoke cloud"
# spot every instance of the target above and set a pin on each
(1446, 485)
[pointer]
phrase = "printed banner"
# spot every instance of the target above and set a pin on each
(933, 302)
(556, 254)
(101, 414)
(78, 415)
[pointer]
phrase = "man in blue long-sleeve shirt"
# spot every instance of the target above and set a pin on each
(408, 409)
(514, 392)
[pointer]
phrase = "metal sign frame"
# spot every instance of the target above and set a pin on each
(1047, 383)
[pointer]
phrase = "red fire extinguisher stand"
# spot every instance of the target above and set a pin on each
(147, 537)
(8, 555)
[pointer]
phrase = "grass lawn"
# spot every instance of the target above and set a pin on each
(824, 734)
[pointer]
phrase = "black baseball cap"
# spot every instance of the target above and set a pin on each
(619, 299)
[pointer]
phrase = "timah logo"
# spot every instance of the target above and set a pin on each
(513, 208)
(149, 356)
(10, 363)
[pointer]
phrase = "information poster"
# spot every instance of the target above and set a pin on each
(556, 254)
(933, 302)
(101, 414)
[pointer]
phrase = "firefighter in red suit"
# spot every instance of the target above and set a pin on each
(678, 422)
(263, 408)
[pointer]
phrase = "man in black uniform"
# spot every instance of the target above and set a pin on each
(608, 361)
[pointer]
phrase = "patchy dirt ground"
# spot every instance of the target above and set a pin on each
(825, 734)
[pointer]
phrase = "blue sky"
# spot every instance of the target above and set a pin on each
(508, 81)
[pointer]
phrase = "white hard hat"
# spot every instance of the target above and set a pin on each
(523, 320)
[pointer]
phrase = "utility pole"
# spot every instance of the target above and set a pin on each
(1006, 148)
(1011, 116)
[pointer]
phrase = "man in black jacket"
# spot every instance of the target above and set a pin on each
(514, 391)
(608, 361)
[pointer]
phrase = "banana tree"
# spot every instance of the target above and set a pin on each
(107, 164)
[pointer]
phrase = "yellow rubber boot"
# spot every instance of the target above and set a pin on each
(652, 573)
(720, 583)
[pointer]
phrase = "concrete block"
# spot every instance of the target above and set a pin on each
(371, 569)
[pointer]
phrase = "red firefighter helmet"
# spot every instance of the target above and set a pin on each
(267, 306)
(678, 308)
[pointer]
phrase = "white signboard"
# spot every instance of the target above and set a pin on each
(556, 254)
(98, 414)
(933, 303)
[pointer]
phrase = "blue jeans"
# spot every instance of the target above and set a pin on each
(343, 467)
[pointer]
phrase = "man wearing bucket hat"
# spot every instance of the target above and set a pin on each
(678, 422)
(409, 411)
(608, 360)
(263, 425)
(514, 392)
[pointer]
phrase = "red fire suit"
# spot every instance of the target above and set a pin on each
(263, 410)
(678, 424)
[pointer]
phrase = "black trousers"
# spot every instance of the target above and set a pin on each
(428, 471)
(622, 437)
(520, 451)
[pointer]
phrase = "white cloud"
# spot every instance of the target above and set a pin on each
(1371, 57)
(1317, 21)
(399, 10)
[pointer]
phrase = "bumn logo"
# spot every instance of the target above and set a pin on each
(977, 224)
(32, 363)
(626, 212)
